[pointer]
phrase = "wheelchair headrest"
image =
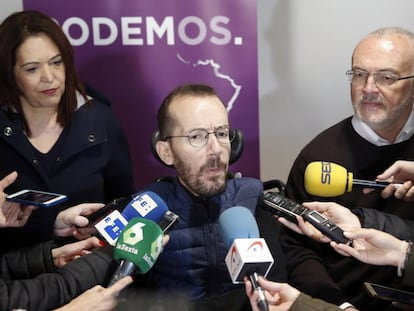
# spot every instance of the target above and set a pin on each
(237, 146)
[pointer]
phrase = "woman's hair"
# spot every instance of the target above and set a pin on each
(14, 30)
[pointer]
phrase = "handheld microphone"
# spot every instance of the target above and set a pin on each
(148, 205)
(248, 254)
(137, 248)
(328, 179)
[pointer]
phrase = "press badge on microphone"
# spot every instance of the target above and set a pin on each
(111, 226)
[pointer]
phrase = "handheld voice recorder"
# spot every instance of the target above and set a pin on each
(281, 206)
(115, 204)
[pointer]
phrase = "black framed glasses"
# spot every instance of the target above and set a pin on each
(360, 77)
(199, 137)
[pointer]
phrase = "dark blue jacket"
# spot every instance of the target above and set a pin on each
(94, 165)
(193, 260)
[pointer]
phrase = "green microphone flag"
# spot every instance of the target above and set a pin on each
(140, 243)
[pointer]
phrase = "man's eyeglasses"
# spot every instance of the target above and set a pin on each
(360, 77)
(199, 137)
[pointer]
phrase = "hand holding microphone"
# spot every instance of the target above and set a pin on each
(400, 170)
(328, 179)
(281, 296)
(248, 255)
(146, 205)
(137, 248)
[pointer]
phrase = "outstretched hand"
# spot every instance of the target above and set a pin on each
(338, 214)
(12, 214)
(305, 228)
(372, 246)
(401, 172)
(98, 298)
(72, 221)
(68, 252)
(279, 296)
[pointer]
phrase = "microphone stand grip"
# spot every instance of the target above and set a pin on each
(124, 269)
(261, 300)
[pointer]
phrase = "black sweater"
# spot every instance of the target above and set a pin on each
(315, 268)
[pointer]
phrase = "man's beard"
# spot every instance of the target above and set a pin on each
(195, 182)
(389, 117)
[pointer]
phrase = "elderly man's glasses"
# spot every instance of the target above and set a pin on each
(360, 77)
(199, 137)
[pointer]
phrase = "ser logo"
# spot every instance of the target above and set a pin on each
(326, 173)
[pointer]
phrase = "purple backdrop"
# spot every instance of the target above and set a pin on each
(135, 52)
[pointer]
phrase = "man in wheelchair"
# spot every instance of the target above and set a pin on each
(194, 136)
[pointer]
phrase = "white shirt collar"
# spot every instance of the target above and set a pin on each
(81, 100)
(366, 132)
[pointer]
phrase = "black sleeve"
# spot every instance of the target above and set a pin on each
(269, 229)
(51, 290)
(305, 257)
(305, 264)
(28, 262)
(392, 224)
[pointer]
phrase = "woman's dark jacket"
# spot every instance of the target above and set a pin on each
(91, 164)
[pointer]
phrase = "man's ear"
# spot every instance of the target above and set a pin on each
(164, 152)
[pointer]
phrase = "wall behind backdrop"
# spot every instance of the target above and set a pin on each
(304, 50)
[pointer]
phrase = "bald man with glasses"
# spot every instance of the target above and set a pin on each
(195, 138)
(379, 133)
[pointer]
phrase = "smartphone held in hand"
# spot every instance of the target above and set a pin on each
(36, 198)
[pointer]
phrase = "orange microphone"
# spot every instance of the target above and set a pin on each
(328, 179)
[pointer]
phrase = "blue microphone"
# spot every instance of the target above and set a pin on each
(248, 254)
(237, 222)
(148, 205)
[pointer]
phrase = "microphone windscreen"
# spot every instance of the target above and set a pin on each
(327, 179)
(147, 205)
(140, 243)
(237, 222)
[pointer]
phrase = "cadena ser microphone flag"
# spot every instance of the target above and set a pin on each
(137, 248)
(328, 179)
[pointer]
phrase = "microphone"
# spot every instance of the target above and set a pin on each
(137, 248)
(328, 179)
(148, 205)
(248, 254)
